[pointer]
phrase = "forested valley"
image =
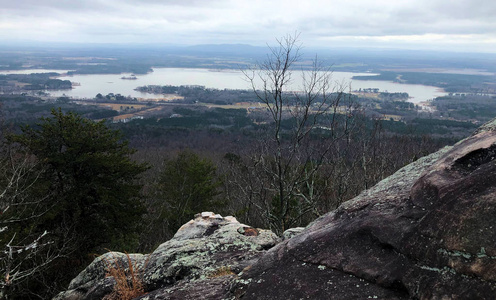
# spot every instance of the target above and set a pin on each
(77, 187)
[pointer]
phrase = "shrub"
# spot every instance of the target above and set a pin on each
(128, 279)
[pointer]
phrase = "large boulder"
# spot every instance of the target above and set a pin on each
(201, 259)
(427, 232)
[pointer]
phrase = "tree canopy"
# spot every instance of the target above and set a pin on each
(91, 176)
(188, 184)
(87, 181)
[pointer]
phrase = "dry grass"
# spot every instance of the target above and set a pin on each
(128, 279)
(139, 113)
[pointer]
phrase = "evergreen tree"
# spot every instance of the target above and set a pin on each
(88, 181)
(187, 185)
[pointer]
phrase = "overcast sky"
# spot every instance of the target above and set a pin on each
(460, 25)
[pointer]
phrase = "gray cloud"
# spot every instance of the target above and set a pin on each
(250, 21)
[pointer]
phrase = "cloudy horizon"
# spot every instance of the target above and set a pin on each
(458, 25)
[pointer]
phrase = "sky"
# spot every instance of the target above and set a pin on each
(456, 25)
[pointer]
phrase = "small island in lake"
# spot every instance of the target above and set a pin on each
(132, 77)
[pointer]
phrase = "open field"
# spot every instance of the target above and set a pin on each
(238, 105)
(164, 97)
(141, 113)
(366, 94)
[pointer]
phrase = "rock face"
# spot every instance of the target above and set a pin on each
(427, 232)
(200, 260)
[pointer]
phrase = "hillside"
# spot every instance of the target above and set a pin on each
(423, 233)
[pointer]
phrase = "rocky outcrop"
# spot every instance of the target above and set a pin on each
(200, 259)
(291, 232)
(427, 232)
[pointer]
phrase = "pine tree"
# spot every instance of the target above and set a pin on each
(88, 182)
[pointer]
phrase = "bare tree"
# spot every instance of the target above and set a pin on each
(24, 253)
(280, 178)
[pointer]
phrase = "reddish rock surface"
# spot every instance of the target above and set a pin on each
(427, 232)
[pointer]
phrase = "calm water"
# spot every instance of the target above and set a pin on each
(90, 85)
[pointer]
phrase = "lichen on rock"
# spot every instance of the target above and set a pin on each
(194, 255)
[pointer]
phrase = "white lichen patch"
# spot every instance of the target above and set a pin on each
(194, 253)
(243, 281)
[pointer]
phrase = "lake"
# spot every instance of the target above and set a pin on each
(92, 84)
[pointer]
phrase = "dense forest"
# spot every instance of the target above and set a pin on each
(453, 83)
(29, 82)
